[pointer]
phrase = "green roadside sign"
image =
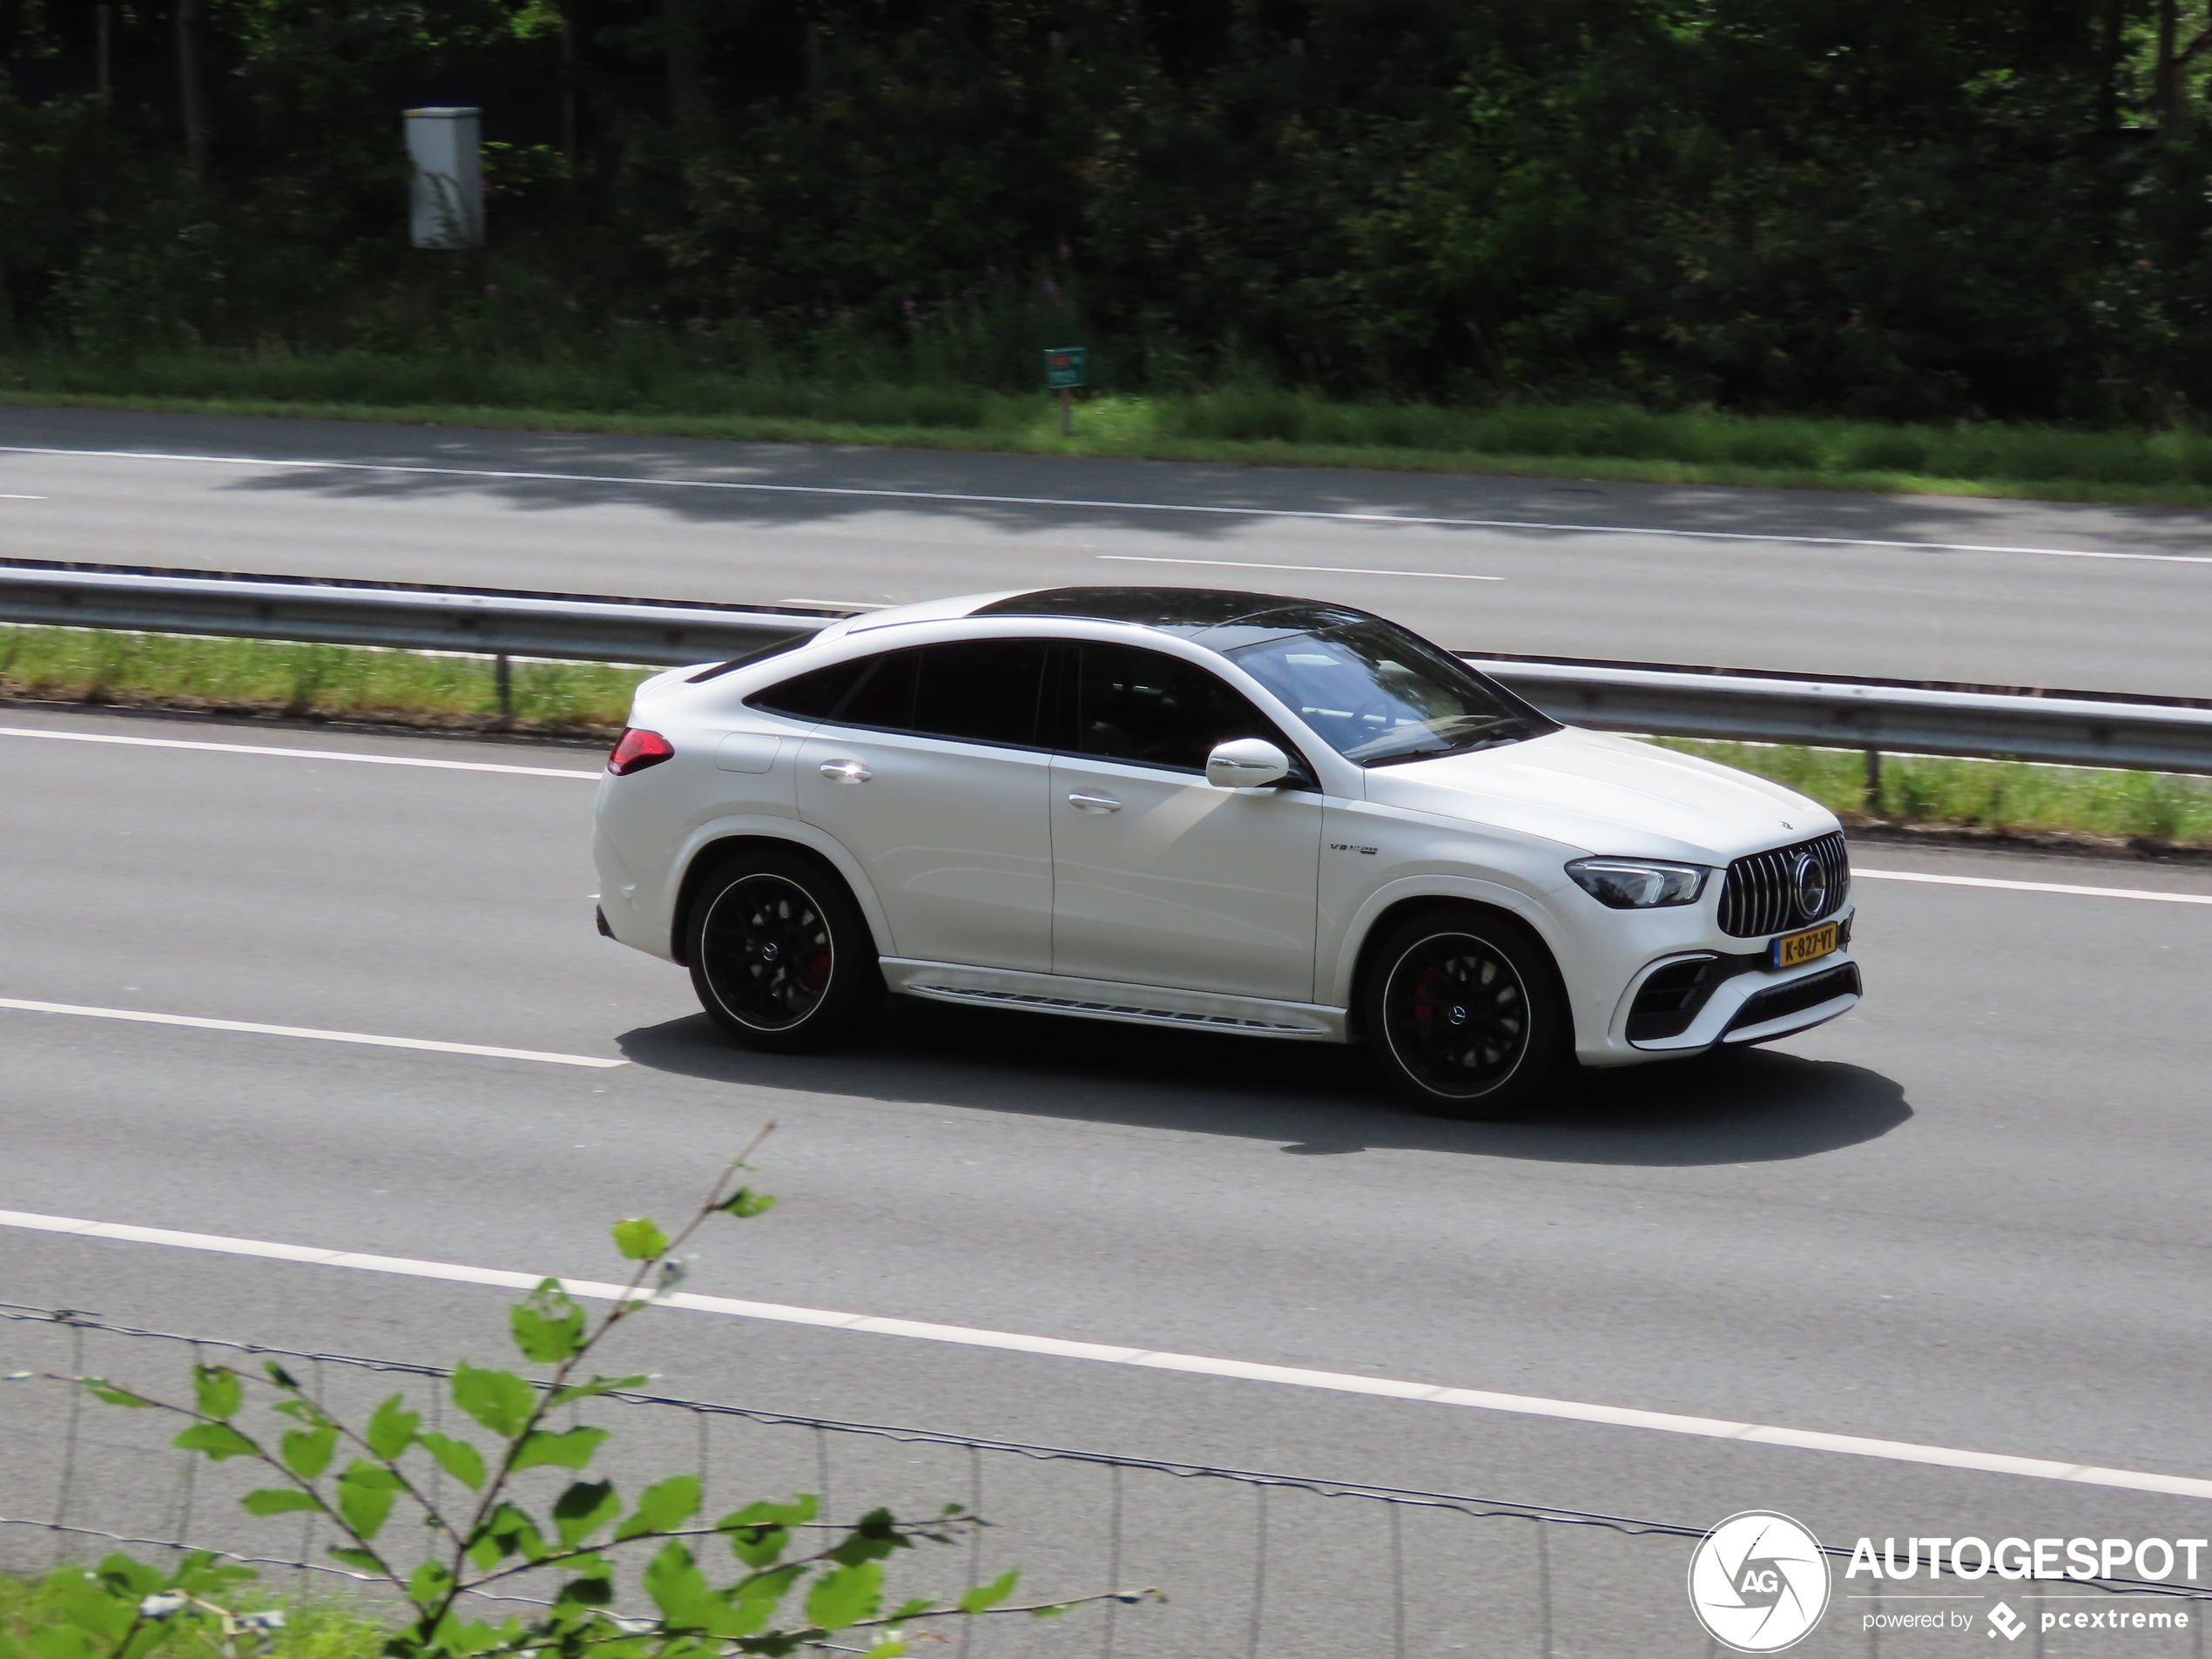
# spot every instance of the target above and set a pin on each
(1064, 367)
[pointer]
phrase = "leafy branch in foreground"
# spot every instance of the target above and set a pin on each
(800, 1580)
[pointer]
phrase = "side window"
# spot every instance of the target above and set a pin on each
(812, 696)
(1159, 710)
(982, 691)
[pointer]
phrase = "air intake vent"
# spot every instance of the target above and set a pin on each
(1791, 887)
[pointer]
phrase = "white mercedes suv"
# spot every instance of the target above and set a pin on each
(1228, 811)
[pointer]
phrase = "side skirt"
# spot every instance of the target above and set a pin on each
(1092, 999)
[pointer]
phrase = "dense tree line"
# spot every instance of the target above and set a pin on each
(1912, 208)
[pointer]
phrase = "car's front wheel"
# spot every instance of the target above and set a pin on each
(781, 956)
(1463, 1014)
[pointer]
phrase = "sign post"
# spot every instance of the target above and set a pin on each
(1065, 368)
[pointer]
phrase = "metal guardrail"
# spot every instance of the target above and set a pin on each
(1871, 715)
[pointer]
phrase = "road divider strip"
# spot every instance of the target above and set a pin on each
(294, 754)
(24, 1006)
(957, 497)
(2035, 886)
(1154, 1359)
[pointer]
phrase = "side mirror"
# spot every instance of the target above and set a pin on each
(1245, 762)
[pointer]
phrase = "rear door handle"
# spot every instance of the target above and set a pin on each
(846, 771)
(1095, 803)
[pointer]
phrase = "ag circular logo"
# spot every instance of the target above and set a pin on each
(1758, 1582)
(1812, 882)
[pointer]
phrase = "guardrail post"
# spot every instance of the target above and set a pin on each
(1871, 800)
(503, 675)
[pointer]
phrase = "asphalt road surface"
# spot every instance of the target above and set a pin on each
(1983, 592)
(1969, 1216)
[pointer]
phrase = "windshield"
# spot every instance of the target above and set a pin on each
(1377, 694)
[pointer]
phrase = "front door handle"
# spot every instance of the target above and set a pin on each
(1095, 803)
(846, 771)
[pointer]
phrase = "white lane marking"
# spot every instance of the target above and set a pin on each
(292, 754)
(1154, 1359)
(24, 1006)
(22, 498)
(1318, 569)
(969, 498)
(2037, 886)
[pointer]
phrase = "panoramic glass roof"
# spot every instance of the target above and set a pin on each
(1184, 611)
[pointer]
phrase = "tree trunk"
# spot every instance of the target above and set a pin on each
(191, 105)
(686, 57)
(2108, 93)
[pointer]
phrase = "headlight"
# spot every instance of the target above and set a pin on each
(1638, 884)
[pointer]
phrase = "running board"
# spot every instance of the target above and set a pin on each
(1099, 1000)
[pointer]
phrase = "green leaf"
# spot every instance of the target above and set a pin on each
(845, 1596)
(307, 1451)
(511, 1532)
(101, 1388)
(570, 1449)
(220, 1391)
(427, 1583)
(280, 1377)
(277, 1501)
(677, 1587)
(662, 1507)
(760, 1533)
(584, 1508)
(639, 1239)
(596, 1591)
(360, 1558)
(59, 1641)
(499, 1400)
(990, 1595)
(874, 1536)
(745, 1204)
(391, 1429)
(218, 1440)
(549, 1326)
(597, 1385)
(457, 1458)
(366, 1493)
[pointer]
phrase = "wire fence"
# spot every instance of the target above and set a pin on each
(1253, 1563)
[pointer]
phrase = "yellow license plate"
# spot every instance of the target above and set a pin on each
(1793, 948)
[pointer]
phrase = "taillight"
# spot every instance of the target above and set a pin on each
(638, 749)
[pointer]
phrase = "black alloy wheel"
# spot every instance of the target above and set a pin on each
(1463, 1014)
(780, 956)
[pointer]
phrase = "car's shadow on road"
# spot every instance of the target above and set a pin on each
(1315, 1099)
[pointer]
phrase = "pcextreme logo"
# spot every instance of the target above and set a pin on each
(1758, 1582)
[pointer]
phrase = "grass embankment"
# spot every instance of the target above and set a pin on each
(255, 678)
(656, 392)
(315, 1628)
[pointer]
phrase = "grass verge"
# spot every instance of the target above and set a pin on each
(1253, 426)
(2115, 811)
(2145, 811)
(252, 677)
(315, 1628)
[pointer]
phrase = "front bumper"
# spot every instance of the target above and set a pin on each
(1688, 995)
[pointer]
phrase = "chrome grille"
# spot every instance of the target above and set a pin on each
(1760, 895)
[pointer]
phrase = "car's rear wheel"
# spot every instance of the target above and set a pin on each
(1463, 1014)
(781, 956)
